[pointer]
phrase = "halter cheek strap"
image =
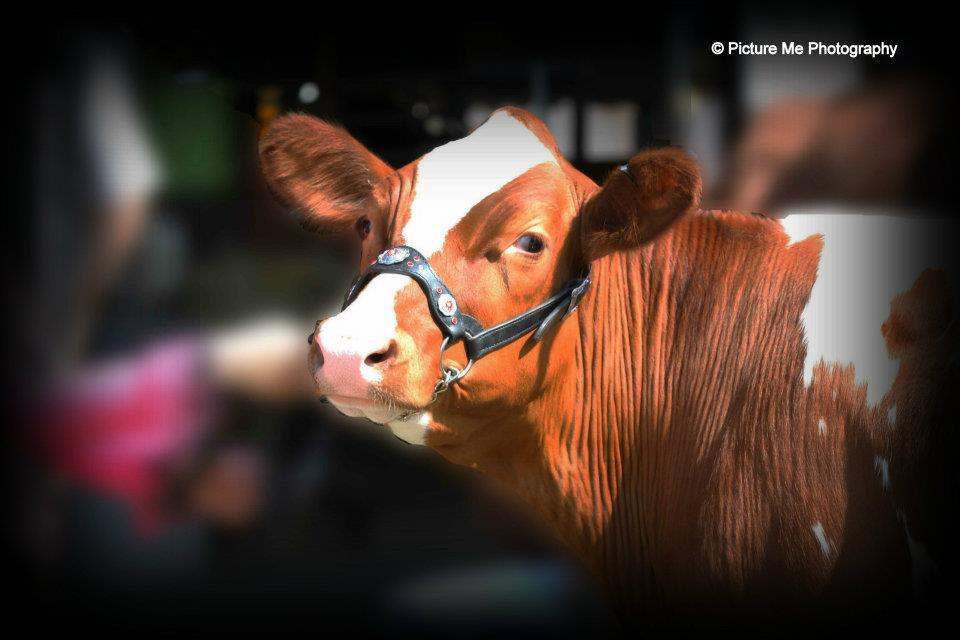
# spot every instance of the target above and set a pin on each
(456, 325)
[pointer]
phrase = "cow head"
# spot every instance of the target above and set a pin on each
(503, 220)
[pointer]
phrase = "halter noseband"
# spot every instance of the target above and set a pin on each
(456, 325)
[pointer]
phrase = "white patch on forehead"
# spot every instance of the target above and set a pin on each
(867, 260)
(453, 178)
(822, 426)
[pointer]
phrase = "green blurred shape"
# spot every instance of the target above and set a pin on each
(194, 130)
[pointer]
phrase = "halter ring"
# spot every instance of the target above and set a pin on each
(449, 373)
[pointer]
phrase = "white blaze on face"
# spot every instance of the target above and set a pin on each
(453, 178)
(867, 260)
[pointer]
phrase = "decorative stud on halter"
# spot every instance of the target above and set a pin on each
(447, 305)
(393, 256)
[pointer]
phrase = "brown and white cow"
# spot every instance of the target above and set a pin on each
(717, 429)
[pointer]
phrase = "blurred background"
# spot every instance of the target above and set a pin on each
(168, 463)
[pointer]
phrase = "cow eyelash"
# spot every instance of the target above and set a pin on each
(364, 226)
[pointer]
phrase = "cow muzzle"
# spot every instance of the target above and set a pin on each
(348, 364)
(352, 352)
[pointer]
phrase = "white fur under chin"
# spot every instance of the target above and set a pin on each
(413, 429)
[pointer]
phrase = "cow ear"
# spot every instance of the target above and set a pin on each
(639, 200)
(321, 171)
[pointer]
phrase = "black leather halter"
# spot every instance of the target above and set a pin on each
(456, 325)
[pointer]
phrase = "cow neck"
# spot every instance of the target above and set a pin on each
(581, 454)
(571, 450)
(566, 449)
(585, 448)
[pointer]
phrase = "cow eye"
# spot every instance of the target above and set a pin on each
(529, 243)
(363, 227)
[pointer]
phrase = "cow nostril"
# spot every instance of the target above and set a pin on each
(316, 352)
(313, 334)
(383, 355)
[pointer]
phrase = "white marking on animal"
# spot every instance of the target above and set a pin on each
(822, 425)
(821, 536)
(892, 415)
(413, 429)
(883, 470)
(866, 261)
(454, 177)
(369, 323)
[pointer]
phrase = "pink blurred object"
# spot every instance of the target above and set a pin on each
(121, 425)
